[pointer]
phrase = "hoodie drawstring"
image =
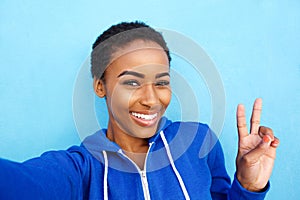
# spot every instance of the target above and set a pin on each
(183, 188)
(181, 183)
(105, 189)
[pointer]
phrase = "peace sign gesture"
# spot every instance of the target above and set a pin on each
(256, 150)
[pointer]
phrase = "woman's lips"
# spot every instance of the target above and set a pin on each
(144, 119)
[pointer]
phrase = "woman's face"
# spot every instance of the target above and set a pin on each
(137, 88)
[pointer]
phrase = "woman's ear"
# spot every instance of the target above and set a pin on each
(99, 88)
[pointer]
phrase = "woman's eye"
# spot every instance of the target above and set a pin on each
(162, 83)
(131, 83)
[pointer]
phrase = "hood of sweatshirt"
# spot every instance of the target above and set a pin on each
(98, 142)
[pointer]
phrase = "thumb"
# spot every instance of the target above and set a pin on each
(254, 155)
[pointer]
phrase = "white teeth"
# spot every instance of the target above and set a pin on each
(143, 116)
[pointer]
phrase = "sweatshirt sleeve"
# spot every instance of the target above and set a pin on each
(221, 187)
(238, 192)
(54, 175)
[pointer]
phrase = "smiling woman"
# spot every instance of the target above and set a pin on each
(131, 70)
(137, 92)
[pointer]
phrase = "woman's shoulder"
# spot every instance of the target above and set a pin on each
(187, 127)
(74, 154)
(192, 135)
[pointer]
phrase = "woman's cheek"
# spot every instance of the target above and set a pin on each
(165, 97)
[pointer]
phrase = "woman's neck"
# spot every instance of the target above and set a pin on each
(135, 148)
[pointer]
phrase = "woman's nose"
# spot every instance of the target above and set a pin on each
(149, 95)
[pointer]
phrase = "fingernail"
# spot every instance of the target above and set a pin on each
(267, 139)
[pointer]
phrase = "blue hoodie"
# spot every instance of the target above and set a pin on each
(184, 161)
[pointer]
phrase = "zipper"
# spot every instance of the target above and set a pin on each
(144, 180)
(142, 173)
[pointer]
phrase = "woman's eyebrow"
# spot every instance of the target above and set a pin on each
(132, 73)
(162, 74)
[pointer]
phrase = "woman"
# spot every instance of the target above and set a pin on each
(139, 155)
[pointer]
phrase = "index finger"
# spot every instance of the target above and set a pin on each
(241, 121)
(255, 117)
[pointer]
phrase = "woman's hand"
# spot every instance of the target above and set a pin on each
(256, 150)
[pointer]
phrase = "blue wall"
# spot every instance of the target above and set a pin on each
(254, 44)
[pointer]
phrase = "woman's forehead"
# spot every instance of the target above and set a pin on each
(140, 56)
(136, 48)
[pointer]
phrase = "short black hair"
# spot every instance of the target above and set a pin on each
(111, 40)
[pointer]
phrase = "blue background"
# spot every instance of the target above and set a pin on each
(254, 44)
